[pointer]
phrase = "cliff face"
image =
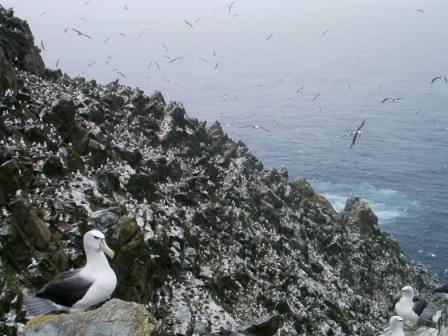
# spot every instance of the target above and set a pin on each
(17, 50)
(207, 238)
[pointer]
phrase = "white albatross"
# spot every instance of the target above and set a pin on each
(396, 326)
(414, 309)
(81, 288)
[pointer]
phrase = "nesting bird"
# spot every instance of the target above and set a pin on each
(414, 309)
(81, 288)
(396, 326)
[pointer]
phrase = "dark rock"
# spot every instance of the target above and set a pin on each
(10, 180)
(141, 185)
(62, 115)
(108, 181)
(36, 134)
(132, 156)
(53, 167)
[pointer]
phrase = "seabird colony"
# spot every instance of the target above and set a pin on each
(78, 289)
(414, 309)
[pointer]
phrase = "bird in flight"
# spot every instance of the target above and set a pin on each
(188, 23)
(325, 32)
(231, 6)
(175, 59)
(395, 100)
(255, 126)
(141, 33)
(357, 133)
(435, 79)
(269, 36)
(42, 45)
(316, 96)
(300, 89)
(420, 10)
(81, 33)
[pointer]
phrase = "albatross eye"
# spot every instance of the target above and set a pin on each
(96, 237)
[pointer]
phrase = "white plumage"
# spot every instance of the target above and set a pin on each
(79, 289)
(396, 326)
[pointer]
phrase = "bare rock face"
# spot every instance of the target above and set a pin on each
(16, 50)
(114, 318)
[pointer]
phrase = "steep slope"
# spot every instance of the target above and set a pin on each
(207, 238)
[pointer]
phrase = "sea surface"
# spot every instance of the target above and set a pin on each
(305, 73)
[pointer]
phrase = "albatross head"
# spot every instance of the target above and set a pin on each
(396, 322)
(407, 291)
(95, 241)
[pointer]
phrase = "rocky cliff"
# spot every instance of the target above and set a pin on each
(209, 240)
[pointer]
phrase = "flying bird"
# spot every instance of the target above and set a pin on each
(165, 47)
(188, 24)
(141, 33)
(255, 126)
(420, 10)
(316, 96)
(414, 309)
(78, 289)
(269, 37)
(216, 65)
(231, 6)
(435, 79)
(57, 63)
(325, 32)
(81, 33)
(357, 133)
(395, 100)
(42, 45)
(300, 89)
(106, 40)
(125, 8)
(175, 59)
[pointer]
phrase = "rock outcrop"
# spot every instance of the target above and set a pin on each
(210, 241)
(114, 318)
(17, 50)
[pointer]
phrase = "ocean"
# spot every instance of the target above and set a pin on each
(292, 79)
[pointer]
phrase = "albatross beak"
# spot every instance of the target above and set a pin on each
(106, 249)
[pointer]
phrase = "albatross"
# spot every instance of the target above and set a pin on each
(396, 326)
(78, 289)
(414, 309)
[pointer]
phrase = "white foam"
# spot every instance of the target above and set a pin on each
(387, 204)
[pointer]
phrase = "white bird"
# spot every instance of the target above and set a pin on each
(414, 309)
(255, 126)
(396, 326)
(81, 288)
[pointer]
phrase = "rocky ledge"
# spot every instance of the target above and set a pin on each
(207, 239)
(114, 318)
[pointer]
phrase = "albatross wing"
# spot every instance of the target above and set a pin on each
(65, 290)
